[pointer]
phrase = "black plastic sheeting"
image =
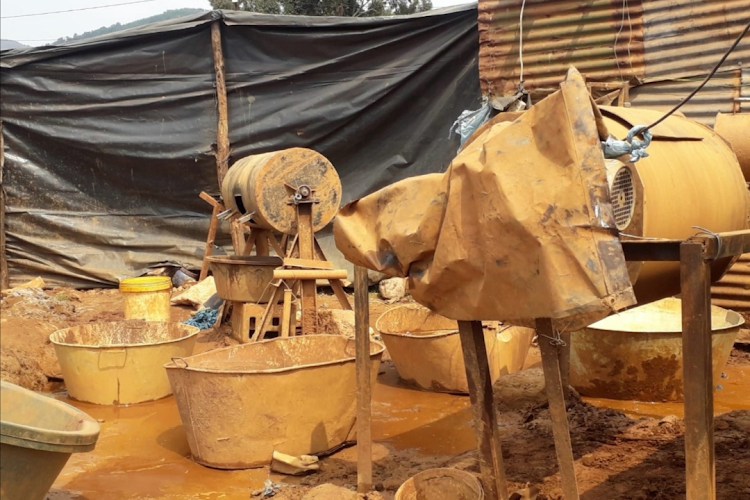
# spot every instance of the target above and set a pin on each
(110, 140)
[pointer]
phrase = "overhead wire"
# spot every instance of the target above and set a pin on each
(75, 10)
(520, 42)
(703, 83)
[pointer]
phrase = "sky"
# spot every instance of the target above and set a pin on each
(40, 30)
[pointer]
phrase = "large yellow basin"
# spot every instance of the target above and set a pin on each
(295, 395)
(121, 362)
(426, 348)
(637, 354)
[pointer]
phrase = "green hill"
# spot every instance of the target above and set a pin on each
(169, 14)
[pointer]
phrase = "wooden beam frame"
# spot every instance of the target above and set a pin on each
(222, 127)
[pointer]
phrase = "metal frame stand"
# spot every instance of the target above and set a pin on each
(695, 256)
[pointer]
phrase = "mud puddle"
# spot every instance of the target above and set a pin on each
(143, 452)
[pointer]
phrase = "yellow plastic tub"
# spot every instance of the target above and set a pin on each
(122, 362)
(426, 348)
(37, 436)
(294, 395)
(147, 297)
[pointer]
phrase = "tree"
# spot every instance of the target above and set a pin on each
(349, 8)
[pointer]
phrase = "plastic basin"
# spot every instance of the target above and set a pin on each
(121, 362)
(441, 484)
(37, 436)
(426, 348)
(637, 354)
(295, 395)
(244, 279)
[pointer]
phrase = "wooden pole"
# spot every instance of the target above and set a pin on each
(700, 461)
(4, 278)
(210, 241)
(485, 418)
(222, 129)
(364, 382)
(306, 244)
(555, 395)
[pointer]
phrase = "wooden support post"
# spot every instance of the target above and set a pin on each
(261, 241)
(560, 427)
(238, 238)
(286, 316)
(213, 225)
(222, 128)
(695, 277)
(336, 285)
(485, 417)
(4, 277)
(306, 243)
(364, 384)
(564, 360)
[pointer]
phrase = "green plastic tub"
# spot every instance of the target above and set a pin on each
(37, 436)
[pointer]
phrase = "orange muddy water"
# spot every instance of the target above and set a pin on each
(143, 452)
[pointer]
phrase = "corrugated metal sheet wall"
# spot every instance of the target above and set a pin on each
(733, 291)
(663, 47)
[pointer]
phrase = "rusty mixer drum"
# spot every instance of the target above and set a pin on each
(265, 184)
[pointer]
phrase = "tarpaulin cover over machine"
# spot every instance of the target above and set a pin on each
(109, 140)
(525, 206)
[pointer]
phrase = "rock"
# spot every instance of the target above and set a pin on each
(330, 492)
(520, 390)
(336, 322)
(392, 289)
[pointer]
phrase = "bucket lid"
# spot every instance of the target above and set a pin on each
(146, 284)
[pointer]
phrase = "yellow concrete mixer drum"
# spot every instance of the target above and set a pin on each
(265, 185)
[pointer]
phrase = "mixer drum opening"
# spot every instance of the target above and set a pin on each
(622, 192)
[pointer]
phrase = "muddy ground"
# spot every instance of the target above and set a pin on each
(143, 453)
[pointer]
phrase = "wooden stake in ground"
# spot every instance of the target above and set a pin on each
(549, 345)
(482, 403)
(222, 128)
(700, 460)
(364, 384)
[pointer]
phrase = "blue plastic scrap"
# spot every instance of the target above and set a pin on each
(203, 319)
(469, 121)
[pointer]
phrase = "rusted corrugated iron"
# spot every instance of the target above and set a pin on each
(733, 291)
(664, 47)
(556, 35)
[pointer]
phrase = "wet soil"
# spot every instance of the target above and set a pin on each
(623, 450)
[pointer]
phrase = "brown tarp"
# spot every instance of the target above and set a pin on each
(519, 227)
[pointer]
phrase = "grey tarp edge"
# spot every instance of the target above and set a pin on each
(109, 141)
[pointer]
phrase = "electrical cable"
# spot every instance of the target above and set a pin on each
(520, 43)
(75, 10)
(710, 75)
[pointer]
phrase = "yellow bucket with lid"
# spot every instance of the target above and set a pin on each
(147, 297)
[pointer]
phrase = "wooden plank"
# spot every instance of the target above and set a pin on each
(564, 360)
(700, 461)
(306, 244)
(222, 127)
(338, 290)
(556, 398)
(732, 243)
(238, 238)
(260, 328)
(275, 244)
(485, 418)
(261, 241)
(210, 239)
(211, 201)
(364, 382)
(336, 285)
(308, 263)
(286, 316)
(309, 274)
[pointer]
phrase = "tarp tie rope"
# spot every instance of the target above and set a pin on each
(615, 148)
(555, 341)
